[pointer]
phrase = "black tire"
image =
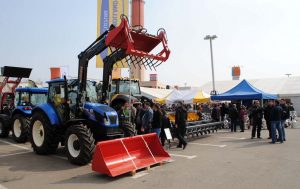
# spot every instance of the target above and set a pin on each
(48, 141)
(4, 128)
(20, 128)
(79, 144)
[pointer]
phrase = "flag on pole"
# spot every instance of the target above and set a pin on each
(109, 12)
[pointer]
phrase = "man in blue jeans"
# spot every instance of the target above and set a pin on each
(275, 118)
(147, 118)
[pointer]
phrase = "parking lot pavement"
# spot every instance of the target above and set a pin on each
(218, 160)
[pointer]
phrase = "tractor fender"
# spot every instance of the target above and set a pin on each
(49, 111)
(20, 110)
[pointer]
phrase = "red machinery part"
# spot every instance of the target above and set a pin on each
(119, 156)
(138, 43)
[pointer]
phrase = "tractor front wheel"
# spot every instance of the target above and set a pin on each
(43, 137)
(20, 128)
(79, 144)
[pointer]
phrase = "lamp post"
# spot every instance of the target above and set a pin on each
(210, 38)
(288, 74)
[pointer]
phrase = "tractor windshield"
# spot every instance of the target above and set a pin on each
(91, 91)
(30, 99)
(126, 87)
(37, 99)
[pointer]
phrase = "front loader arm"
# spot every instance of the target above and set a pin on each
(94, 49)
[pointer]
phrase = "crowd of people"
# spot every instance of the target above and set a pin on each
(138, 118)
(144, 118)
(275, 113)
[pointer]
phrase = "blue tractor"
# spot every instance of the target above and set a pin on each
(73, 122)
(25, 100)
(16, 103)
(72, 115)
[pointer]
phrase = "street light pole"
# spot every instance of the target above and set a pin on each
(288, 74)
(210, 38)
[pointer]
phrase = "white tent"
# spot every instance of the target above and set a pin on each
(186, 96)
(195, 96)
(153, 93)
(176, 95)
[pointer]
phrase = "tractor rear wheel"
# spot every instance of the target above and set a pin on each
(43, 137)
(79, 144)
(4, 129)
(20, 128)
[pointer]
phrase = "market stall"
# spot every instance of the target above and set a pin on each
(244, 91)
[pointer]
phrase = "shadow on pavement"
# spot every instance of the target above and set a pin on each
(91, 178)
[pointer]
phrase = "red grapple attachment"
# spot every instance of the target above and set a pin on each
(139, 45)
(116, 157)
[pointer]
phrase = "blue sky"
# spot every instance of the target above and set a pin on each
(262, 36)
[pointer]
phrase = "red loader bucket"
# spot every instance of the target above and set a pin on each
(116, 157)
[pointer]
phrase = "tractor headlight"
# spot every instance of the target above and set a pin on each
(106, 122)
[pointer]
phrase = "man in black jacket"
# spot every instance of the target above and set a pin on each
(180, 124)
(257, 115)
(215, 113)
(267, 114)
(224, 110)
(275, 118)
(233, 115)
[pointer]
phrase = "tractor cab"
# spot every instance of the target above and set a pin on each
(63, 95)
(125, 86)
(28, 98)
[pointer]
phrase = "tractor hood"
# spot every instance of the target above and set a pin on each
(101, 113)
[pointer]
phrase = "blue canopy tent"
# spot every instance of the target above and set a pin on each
(244, 91)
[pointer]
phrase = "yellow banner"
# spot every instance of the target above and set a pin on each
(109, 12)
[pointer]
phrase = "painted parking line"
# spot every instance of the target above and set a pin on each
(234, 138)
(24, 148)
(214, 145)
(184, 156)
(15, 145)
(13, 154)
